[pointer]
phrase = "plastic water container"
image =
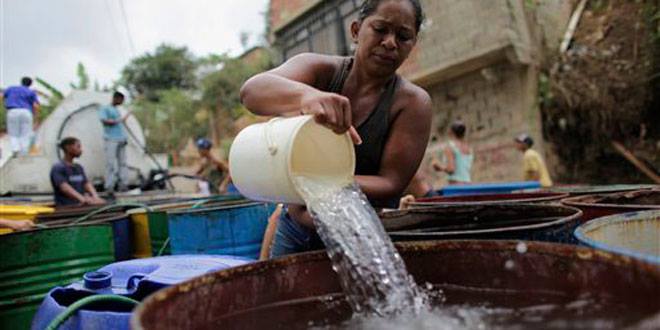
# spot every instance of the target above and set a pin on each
(264, 158)
(135, 279)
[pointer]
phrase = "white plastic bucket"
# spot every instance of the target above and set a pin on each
(264, 158)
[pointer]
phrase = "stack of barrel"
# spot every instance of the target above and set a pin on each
(507, 249)
(511, 250)
(70, 242)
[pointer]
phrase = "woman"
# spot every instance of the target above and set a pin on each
(458, 155)
(387, 116)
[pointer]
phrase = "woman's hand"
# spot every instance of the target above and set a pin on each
(330, 110)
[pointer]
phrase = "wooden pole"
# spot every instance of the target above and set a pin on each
(635, 161)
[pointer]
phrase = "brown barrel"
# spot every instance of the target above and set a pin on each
(535, 222)
(302, 290)
(600, 205)
(490, 199)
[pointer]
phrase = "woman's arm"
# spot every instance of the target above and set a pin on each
(404, 150)
(451, 163)
(295, 87)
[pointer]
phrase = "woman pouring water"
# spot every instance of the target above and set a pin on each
(388, 117)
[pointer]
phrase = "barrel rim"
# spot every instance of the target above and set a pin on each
(58, 227)
(576, 201)
(545, 248)
(582, 190)
(248, 203)
(577, 214)
(544, 197)
(581, 231)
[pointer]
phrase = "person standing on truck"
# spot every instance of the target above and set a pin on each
(22, 107)
(115, 143)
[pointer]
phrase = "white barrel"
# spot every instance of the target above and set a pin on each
(264, 158)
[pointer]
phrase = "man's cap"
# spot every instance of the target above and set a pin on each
(203, 143)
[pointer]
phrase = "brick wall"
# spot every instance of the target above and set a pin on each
(492, 103)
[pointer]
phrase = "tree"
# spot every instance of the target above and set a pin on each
(170, 121)
(54, 98)
(220, 90)
(167, 68)
(83, 78)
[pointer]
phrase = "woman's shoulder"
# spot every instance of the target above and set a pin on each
(322, 67)
(415, 97)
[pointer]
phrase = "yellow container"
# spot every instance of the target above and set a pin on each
(140, 224)
(141, 238)
(21, 212)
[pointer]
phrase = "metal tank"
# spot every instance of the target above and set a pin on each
(490, 199)
(33, 262)
(600, 205)
(76, 116)
(558, 284)
(539, 222)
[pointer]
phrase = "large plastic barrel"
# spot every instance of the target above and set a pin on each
(635, 234)
(600, 205)
(230, 230)
(543, 286)
(33, 262)
(135, 279)
(538, 222)
(490, 199)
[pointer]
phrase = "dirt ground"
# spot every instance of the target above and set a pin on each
(605, 88)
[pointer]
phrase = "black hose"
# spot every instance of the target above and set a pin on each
(151, 156)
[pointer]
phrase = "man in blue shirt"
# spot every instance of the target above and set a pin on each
(115, 144)
(22, 107)
(70, 184)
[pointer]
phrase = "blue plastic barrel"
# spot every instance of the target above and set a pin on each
(229, 230)
(135, 279)
(488, 188)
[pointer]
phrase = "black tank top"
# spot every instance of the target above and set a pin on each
(374, 131)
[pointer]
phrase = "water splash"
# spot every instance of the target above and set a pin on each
(372, 274)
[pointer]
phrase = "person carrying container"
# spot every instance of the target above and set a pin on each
(388, 117)
(458, 155)
(22, 107)
(70, 184)
(534, 168)
(115, 143)
(213, 171)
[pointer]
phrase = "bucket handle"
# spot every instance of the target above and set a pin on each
(272, 147)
